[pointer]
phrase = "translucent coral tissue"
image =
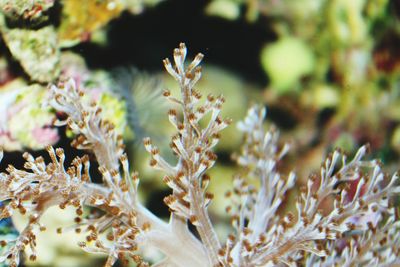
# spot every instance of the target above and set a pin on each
(360, 228)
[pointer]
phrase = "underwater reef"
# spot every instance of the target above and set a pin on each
(228, 150)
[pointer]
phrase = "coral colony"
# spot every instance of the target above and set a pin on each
(358, 227)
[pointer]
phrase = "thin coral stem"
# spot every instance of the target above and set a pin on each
(204, 225)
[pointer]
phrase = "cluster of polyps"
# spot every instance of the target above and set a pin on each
(360, 229)
(362, 206)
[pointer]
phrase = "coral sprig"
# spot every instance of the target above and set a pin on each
(360, 228)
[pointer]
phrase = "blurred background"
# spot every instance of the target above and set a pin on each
(327, 72)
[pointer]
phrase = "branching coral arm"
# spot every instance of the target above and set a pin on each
(95, 134)
(43, 185)
(193, 145)
(359, 209)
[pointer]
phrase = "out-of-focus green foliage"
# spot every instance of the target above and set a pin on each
(331, 54)
(333, 70)
(286, 62)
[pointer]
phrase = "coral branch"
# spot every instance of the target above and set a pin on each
(193, 146)
(264, 240)
(358, 227)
